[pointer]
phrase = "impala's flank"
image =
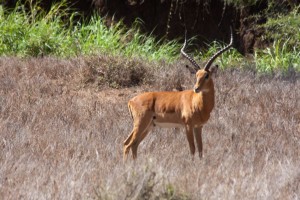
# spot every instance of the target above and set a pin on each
(189, 109)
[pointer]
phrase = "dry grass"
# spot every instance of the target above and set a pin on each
(62, 130)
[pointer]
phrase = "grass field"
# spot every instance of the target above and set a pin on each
(63, 125)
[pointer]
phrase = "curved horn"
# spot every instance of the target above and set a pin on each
(187, 56)
(211, 60)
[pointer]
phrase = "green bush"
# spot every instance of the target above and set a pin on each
(284, 27)
(37, 33)
(278, 57)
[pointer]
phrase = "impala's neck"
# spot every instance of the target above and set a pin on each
(205, 100)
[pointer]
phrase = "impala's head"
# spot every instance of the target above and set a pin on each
(203, 76)
(204, 80)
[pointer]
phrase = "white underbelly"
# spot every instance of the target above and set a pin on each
(168, 125)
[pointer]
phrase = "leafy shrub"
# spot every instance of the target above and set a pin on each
(277, 57)
(39, 33)
(284, 27)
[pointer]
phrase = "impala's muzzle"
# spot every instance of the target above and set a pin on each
(197, 88)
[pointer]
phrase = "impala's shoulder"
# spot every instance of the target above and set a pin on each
(188, 92)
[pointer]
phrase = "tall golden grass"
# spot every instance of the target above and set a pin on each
(63, 123)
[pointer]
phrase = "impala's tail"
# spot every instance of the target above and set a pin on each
(127, 141)
(129, 108)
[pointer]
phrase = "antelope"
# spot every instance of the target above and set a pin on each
(171, 109)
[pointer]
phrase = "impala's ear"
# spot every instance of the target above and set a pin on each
(191, 69)
(214, 68)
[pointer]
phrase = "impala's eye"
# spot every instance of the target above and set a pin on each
(206, 76)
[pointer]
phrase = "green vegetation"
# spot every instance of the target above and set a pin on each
(277, 57)
(56, 33)
(231, 58)
(283, 53)
(283, 33)
(40, 33)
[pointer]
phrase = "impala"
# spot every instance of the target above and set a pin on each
(189, 109)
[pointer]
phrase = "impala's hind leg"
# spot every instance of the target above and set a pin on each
(140, 129)
(126, 148)
(134, 147)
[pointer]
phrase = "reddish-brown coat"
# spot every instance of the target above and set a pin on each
(190, 109)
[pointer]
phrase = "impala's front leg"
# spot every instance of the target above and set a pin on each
(198, 136)
(190, 137)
